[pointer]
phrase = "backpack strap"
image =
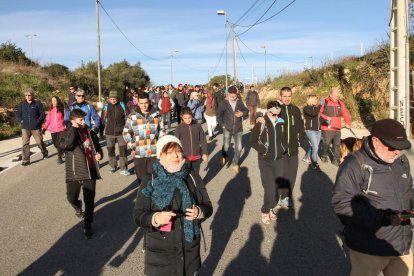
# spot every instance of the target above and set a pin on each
(365, 183)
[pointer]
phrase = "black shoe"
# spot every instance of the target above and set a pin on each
(59, 160)
(25, 163)
(45, 155)
(88, 233)
(80, 214)
(315, 168)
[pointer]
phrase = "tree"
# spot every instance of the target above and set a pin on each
(56, 70)
(122, 72)
(9, 52)
(221, 79)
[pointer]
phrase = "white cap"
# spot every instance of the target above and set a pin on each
(165, 140)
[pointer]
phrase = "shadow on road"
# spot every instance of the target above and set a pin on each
(226, 219)
(113, 227)
(308, 245)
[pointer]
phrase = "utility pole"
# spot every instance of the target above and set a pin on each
(252, 73)
(225, 29)
(265, 75)
(234, 55)
(100, 105)
(171, 65)
(399, 64)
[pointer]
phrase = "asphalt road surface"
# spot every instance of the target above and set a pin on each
(40, 234)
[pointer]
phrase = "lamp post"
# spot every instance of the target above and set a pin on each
(264, 46)
(171, 67)
(31, 43)
(221, 12)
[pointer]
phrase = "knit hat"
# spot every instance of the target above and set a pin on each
(391, 133)
(113, 94)
(232, 89)
(165, 140)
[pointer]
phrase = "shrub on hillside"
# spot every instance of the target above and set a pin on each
(9, 52)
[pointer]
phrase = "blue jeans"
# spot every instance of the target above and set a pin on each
(166, 119)
(314, 137)
(237, 145)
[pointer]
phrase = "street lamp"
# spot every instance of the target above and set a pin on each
(31, 43)
(221, 12)
(171, 68)
(264, 46)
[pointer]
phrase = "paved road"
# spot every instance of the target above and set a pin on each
(40, 235)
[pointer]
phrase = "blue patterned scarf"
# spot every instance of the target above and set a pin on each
(161, 192)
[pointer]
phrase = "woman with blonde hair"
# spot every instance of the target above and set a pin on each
(312, 130)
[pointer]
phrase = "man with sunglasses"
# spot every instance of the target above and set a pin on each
(31, 115)
(91, 113)
(373, 197)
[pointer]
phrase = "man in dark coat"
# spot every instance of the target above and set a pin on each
(82, 169)
(31, 115)
(373, 197)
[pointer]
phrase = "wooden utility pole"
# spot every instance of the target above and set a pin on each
(234, 55)
(399, 64)
(99, 54)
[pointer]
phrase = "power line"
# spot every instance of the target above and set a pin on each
(237, 43)
(119, 29)
(245, 13)
(252, 12)
(258, 19)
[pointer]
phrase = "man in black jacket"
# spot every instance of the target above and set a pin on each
(373, 197)
(113, 119)
(82, 169)
(230, 115)
(31, 115)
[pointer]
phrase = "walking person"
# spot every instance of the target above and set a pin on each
(72, 94)
(373, 197)
(113, 119)
(171, 204)
(55, 124)
(269, 140)
(252, 102)
(210, 114)
(141, 133)
(83, 153)
(165, 106)
(193, 140)
(180, 99)
(92, 119)
(30, 113)
(230, 115)
(332, 112)
(196, 106)
(311, 114)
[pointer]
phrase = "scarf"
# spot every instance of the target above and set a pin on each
(162, 189)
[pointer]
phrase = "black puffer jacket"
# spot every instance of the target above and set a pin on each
(225, 116)
(269, 140)
(114, 117)
(167, 253)
(312, 118)
(77, 167)
(294, 124)
(362, 213)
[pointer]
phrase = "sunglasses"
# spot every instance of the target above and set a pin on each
(273, 114)
(83, 96)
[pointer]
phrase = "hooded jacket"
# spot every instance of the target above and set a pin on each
(294, 127)
(91, 114)
(312, 117)
(391, 187)
(54, 121)
(193, 139)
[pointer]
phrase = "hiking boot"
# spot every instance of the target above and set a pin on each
(125, 172)
(112, 170)
(59, 160)
(79, 213)
(325, 159)
(45, 155)
(25, 163)
(236, 168)
(222, 161)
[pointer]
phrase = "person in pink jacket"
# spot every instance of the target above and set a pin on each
(55, 123)
(332, 111)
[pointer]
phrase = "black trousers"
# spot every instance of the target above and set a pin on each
(55, 143)
(290, 166)
(72, 193)
(271, 174)
(143, 166)
(328, 136)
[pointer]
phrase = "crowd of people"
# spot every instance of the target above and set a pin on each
(172, 200)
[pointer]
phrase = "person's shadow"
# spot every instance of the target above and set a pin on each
(226, 218)
(72, 254)
(250, 261)
(309, 245)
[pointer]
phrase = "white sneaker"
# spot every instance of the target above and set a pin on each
(125, 172)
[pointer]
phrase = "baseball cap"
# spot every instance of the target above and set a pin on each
(391, 133)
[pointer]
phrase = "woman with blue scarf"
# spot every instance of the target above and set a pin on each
(171, 203)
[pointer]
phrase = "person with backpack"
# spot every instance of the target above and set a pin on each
(55, 123)
(332, 112)
(373, 197)
(269, 140)
(30, 113)
(113, 118)
(165, 106)
(196, 106)
(171, 204)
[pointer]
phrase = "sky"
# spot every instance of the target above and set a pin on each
(301, 34)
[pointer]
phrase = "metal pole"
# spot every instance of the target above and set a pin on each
(225, 28)
(234, 56)
(171, 68)
(30, 36)
(99, 51)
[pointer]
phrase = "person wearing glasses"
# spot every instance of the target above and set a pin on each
(269, 140)
(31, 115)
(91, 113)
(374, 199)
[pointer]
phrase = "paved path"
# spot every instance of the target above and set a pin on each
(40, 235)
